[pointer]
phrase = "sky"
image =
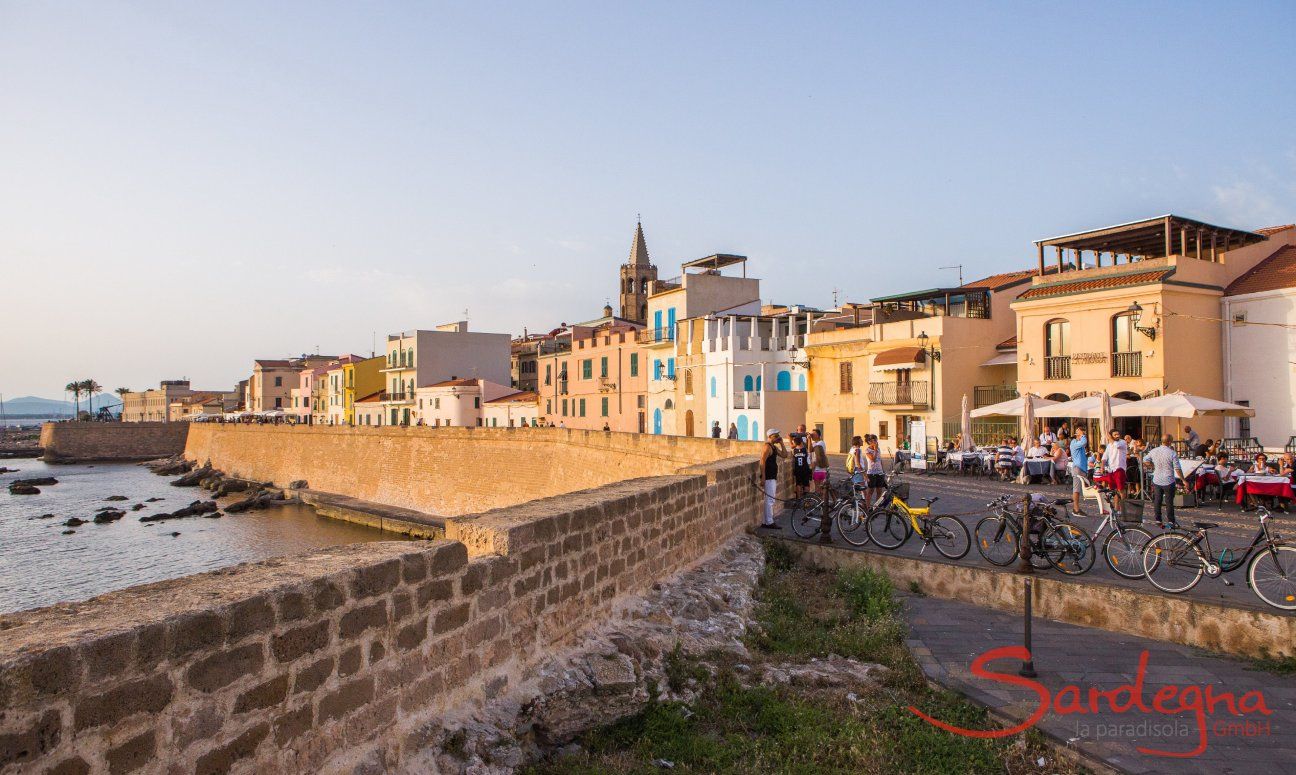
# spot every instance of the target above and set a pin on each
(185, 187)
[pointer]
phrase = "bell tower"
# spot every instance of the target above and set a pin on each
(636, 274)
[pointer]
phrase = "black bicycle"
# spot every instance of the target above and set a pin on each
(1176, 561)
(847, 509)
(1054, 542)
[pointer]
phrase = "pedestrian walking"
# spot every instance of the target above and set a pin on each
(1166, 472)
(733, 432)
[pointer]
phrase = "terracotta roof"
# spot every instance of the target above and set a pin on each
(1269, 231)
(1276, 271)
(381, 395)
(1008, 344)
(996, 281)
(455, 383)
(520, 397)
(264, 363)
(1096, 284)
(900, 355)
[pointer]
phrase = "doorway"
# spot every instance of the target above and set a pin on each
(688, 423)
(846, 430)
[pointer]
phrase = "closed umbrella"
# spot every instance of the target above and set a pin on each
(965, 426)
(1105, 422)
(1027, 429)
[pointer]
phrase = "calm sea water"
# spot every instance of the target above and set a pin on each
(40, 566)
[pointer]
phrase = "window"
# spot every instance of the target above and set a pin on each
(657, 326)
(713, 387)
(603, 367)
(884, 430)
(657, 368)
(688, 382)
(1057, 338)
(1244, 423)
(548, 406)
(587, 368)
(846, 377)
(582, 407)
(748, 383)
(436, 403)
(476, 402)
(670, 324)
(670, 368)
(564, 408)
(634, 364)
(278, 381)
(605, 406)
(548, 372)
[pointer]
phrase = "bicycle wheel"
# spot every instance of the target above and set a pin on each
(1069, 548)
(807, 516)
(996, 540)
(949, 536)
(1272, 576)
(1172, 563)
(888, 529)
(851, 521)
(1124, 553)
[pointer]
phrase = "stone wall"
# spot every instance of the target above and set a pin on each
(448, 471)
(320, 662)
(72, 442)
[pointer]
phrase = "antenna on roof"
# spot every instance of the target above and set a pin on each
(959, 267)
(835, 305)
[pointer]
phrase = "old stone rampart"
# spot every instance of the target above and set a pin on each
(72, 442)
(317, 662)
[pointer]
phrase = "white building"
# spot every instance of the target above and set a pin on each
(370, 410)
(516, 410)
(419, 358)
(750, 374)
(456, 402)
(701, 289)
(1259, 310)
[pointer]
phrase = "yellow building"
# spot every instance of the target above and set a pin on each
(353, 377)
(912, 357)
(1134, 310)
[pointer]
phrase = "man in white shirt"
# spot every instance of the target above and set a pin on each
(1166, 471)
(1114, 459)
(1047, 439)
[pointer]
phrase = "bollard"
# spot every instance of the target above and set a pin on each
(1024, 540)
(1028, 667)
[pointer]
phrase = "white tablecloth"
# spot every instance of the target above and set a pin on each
(1262, 478)
(1190, 466)
(1039, 466)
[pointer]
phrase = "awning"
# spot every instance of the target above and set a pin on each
(900, 358)
(1003, 359)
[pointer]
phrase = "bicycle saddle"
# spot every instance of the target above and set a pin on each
(930, 501)
(1205, 525)
(1061, 501)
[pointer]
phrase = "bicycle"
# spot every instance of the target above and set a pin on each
(892, 521)
(1055, 543)
(847, 510)
(1123, 547)
(1175, 562)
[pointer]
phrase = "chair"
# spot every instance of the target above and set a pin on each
(1089, 492)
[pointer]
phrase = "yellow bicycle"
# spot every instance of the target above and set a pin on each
(893, 520)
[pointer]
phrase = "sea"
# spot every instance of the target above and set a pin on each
(40, 565)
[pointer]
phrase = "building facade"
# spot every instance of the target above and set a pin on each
(155, 405)
(1259, 326)
(1134, 310)
(424, 357)
(351, 377)
(273, 380)
(600, 381)
(456, 403)
(515, 410)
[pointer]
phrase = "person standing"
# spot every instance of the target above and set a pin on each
(1192, 438)
(1079, 469)
(855, 460)
(732, 435)
(774, 449)
(1064, 435)
(1047, 439)
(715, 429)
(876, 477)
(1166, 471)
(800, 465)
(1115, 458)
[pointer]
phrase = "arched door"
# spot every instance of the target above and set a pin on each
(783, 381)
(742, 427)
(688, 423)
(657, 424)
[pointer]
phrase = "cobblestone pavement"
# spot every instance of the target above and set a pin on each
(968, 496)
(946, 636)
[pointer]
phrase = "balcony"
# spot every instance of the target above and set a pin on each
(985, 395)
(899, 393)
(661, 335)
(1057, 367)
(399, 398)
(1127, 364)
(747, 399)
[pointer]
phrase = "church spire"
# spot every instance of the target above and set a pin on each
(639, 248)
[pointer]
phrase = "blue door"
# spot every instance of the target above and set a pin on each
(758, 381)
(747, 383)
(801, 382)
(657, 326)
(742, 427)
(713, 387)
(783, 381)
(756, 431)
(657, 421)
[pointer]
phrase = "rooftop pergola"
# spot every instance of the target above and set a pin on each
(1166, 235)
(717, 262)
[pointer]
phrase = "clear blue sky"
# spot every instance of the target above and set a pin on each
(185, 186)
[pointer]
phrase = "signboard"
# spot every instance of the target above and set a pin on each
(918, 444)
(1089, 358)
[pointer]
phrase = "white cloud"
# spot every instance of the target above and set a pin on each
(1249, 206)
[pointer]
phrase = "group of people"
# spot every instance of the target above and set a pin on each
(809, 458)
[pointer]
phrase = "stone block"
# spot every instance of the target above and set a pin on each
(450, 619)
(376, 579)
(413, 568)
(435, 590)
(222, 759)
(311, 677)
(300, 641)
(345, 699)
(146, 695)
(412, 634)
(349, 662)
(250, 617)
(263, 695)
(367, 617)
(107, 658)
(293, 606)
(446, 558)
(288, 726)
(37, 739)
(193, 632)
(225, 667)
(132, 754)
(327, 595)
(402, 606)
(73, 766)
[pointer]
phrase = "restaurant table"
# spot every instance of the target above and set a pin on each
(1190, 467)
(1205, 478)
(1040, 466)
(1263, 484)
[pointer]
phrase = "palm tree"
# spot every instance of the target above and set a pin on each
(91, 387)
(75, 389)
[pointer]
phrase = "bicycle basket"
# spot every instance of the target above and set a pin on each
(901, 491)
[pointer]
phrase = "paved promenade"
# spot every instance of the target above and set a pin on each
(946, 636)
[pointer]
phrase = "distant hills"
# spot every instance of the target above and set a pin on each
(51, 407)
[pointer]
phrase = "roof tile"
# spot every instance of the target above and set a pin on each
(1095, 284)
(1276, 271)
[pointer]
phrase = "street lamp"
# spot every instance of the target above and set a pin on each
(932, 351)
(1136, 314)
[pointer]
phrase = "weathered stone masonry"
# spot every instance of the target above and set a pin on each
(70, 442)
(312, 663)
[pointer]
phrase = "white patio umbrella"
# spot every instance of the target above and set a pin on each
(1088, 408)
(1012, 408)
(1182, 405)
(965, 426)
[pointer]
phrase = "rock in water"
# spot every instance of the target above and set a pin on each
(46, 516)
(213, 515)
(192, 478)
(173, 535)
(23, 489)
(197, 508)
(297, 484)
(74, 522)
(153, 500)
(69, 532)
(40, 481)
(137, 507)
(116, 498)
(111, 515)
(155, 517)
